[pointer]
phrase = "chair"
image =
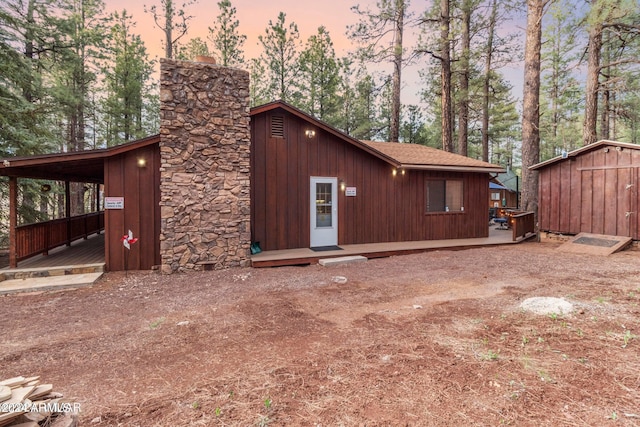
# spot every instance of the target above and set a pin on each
(503, 223)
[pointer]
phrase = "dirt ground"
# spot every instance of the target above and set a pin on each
(434, 339)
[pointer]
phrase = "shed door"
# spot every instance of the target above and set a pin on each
(324, 211)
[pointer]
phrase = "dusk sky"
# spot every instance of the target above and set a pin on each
(254, 16)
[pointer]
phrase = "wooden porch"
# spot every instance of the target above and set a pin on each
(516, 233)
(80, 252)
(91, 250)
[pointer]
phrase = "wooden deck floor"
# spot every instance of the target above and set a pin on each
(91, 251)
(81, 252)
(305, 256)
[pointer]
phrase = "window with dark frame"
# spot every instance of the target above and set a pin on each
(445, 195)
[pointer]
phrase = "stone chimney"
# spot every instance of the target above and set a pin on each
(205, 179)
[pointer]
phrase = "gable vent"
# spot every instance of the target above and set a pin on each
(277, 126)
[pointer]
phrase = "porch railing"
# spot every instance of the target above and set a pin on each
(522, 223)
(39, 238)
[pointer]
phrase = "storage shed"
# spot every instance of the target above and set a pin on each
(593, 189)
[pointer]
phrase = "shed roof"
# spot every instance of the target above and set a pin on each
(573, 154)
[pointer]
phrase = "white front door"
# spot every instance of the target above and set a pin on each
(324, 211)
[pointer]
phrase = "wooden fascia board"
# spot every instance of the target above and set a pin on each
(575, 153)
(72, 156)
(451, 168)
(119, 149)
(45, 159)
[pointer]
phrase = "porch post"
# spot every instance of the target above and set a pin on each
(13, 221)
(67, 210)
(97, 197)
(97, 188)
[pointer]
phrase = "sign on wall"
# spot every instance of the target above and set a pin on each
(350, 192)
(114, 202)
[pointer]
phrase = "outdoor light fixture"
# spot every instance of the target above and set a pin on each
(343, 185)
(395, 172)
(310, 133)
(142, 162)
(403, 172)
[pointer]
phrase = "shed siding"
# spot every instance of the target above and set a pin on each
(386, 208)
(140, 187)
(594, 192)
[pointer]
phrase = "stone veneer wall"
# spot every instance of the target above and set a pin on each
(204, 175)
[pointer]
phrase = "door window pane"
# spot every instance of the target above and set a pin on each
(323, 204)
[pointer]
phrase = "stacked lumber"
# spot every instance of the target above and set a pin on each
(24, 402)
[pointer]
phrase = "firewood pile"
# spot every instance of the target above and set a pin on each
(24, 402)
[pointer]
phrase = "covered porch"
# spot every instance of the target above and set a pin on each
(130, 178)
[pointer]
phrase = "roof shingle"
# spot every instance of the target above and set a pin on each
(416, 156)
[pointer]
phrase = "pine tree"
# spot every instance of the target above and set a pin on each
(227, 42)
(25, 128)
(280, 45)
(127, 72)
(258, 86)
(621, 18)
(561, 94)
(319, 77)
(380, 34)
(193, 48)
(174, 23)
(365, 107)
(531, 105)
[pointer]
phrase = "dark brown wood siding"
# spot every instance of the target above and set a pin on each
(594, 192)
(387, 208)
(140, 187)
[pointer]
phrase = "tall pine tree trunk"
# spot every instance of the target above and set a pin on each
(486, 87)
(531, 105)
(463, 107)
(445, 55)
(589, 132)
(168, 30)
(394, 127)
(605, 120)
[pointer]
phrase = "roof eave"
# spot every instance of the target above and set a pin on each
(452, 168)
(71, 156)
(573, 154)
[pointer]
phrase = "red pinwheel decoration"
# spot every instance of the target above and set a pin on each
(128, 240)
